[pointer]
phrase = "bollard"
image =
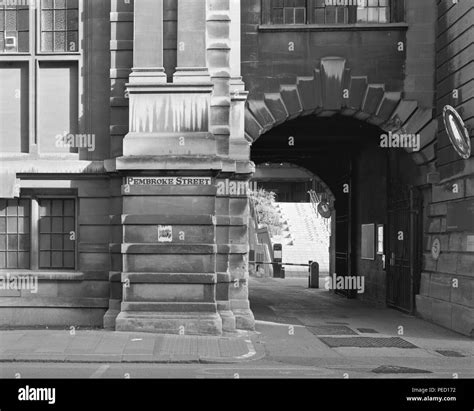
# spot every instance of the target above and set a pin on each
(313, 274)
(277, 259)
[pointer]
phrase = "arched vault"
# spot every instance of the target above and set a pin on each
(331, 90)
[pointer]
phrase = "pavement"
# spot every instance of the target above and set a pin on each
(99, 346)
(300, 333)
(295, 324)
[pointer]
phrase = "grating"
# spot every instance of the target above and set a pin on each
(450, 353)
(331, 330)
(367, 342)
(367, 331)
(395, 369)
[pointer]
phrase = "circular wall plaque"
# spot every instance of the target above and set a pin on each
(435, 249)
(457, 132)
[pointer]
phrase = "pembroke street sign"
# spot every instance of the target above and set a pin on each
(169, 181)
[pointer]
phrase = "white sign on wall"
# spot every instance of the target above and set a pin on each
(169, 181)
(165, 233)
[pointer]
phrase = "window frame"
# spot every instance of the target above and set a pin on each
(33, 58)
(34, 222)
(396, 10)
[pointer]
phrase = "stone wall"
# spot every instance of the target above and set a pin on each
(447, 284)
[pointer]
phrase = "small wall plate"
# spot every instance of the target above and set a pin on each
(435, 249)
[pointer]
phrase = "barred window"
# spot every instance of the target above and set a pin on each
(332, 11)
(14, 234)
(14, 29)
(374, 11)
(59, 25)
(56, 224)
(289, 11)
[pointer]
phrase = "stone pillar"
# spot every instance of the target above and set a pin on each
(239, 147)
(148, 42)
(191, 50)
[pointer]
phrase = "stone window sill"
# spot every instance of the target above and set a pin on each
(332, 27)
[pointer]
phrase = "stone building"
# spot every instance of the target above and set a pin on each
(120, 120)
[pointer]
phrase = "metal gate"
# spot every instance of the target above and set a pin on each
(344, 232)
(403, 269)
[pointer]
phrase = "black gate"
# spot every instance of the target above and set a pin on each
(344, 232)
(403, 268)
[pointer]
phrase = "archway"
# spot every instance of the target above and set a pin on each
(347, 154)
(305, 232)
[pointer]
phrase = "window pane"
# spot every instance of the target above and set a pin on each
(47, 41)
(12, 260)
(12, 225)
(45, 242)
(341, 13)
(60, 20)
(384, 15)
(24, 242)
(361, 15)
(3, 207)
(10, 20)
(69, 207)
(57, 226)
(68, 243)
(12, 242)
(373, 15)
(23, 225)
(72, 41)
(59, 41)
(57, 259)
(47, 4)
(277, 16)
(3, 260)
(3, 242)
(318, 16)
(289, 16)
(69, 260)
(57, 207)
(72, 20)
(300, 16)
(68, 224)
(331, 15)
(45, 224)
(46, 20)
(23, 19)
(45, 259)
(59, 4)
(12, 208)
(23, 260)
(3, 225)
(23, 41)
(45, 208)
(56, 241)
